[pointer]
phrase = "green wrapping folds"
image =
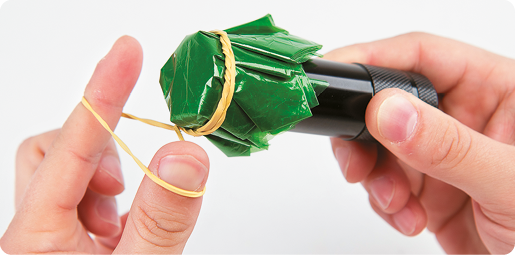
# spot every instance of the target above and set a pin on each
(272, 92)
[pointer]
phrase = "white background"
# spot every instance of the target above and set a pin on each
(289, 199)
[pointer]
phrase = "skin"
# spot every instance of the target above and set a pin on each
(450, 170)
(452, 173)
(66, 179)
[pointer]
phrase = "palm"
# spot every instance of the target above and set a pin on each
(449, 212)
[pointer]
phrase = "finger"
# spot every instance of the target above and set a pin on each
(415, 178)
(111, 242)
(30, 154)
(409, 220)
(458, 236)
(501, 126)
(99, 215)
(442, 202)
(443, 61)
(161, 221)
(74, 156)
(441, 147)
(356, 160)
(387, 184)
(108, 178)
(491, 237)
(454, 68)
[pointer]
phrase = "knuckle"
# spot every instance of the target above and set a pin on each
(162, 226)
(84, 158)
(87, 159)
(29, 152)
(417, 34)
(26, 146)
(33, 148)
(454, 146)
(98, 98)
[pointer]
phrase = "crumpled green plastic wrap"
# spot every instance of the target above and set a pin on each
(272, 91)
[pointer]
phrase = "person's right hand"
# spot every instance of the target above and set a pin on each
(453, 173)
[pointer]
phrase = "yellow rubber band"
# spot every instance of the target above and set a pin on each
(211, 126)
(150, 175)
(156, 124)
(228, 90)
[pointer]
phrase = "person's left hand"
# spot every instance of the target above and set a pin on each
(66, 179)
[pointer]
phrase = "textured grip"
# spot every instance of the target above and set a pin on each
(383, 78)
(426, 91)
(413, 83)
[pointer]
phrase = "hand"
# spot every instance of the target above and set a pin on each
(453, 173)
(66, 179)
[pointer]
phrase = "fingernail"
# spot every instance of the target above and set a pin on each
(382, 190)
(342, 155)
(182, 171)
(405, 220)
(397, 118)
(108, 211)
(111, 165)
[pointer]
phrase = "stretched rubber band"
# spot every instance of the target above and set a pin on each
(211, 126)
(156, 124)
(150, 175)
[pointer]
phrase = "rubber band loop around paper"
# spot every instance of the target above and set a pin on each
(211, 126)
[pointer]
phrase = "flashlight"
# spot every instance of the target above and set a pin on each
(342, 105)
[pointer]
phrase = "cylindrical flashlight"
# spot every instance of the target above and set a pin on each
(341, 109)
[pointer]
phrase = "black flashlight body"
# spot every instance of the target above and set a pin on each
(342, 105)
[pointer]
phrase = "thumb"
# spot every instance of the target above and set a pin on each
(161, 221)
(438, 145)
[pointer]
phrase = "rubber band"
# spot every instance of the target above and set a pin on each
(150, 175)
(156, 124)
(218, 116)
(211, 126)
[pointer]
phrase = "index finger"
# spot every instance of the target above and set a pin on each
(62, 178)
(445, 62)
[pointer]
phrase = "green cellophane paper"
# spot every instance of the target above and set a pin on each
(272, 91)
